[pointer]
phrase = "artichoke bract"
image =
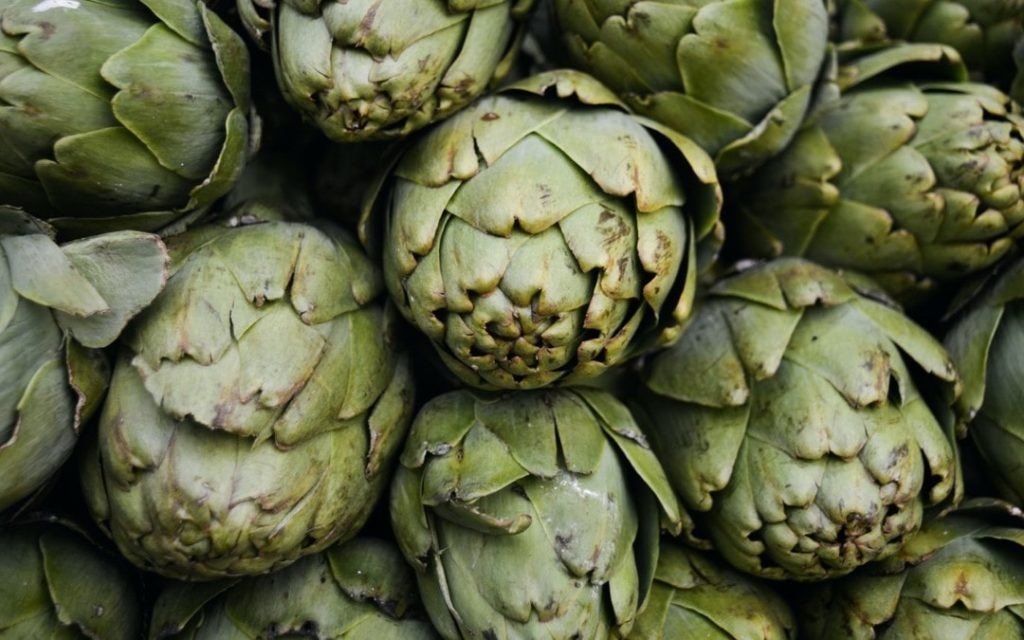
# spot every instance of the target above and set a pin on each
(737, 76)
(373, 70)
(987, 343)
(959, 578)
(696, 596)
(58, 305)
(788, 416)
(917, 184)
(256, 404)
(58, 584)
(532, 514)
(128, 114)
(544, 235)
(361, 589)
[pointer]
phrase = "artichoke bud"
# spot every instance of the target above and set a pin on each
(358, 589)
(534, 514)
(131, 114)
(794, 415)
(58, 306)
(545, 235)
(255, 406)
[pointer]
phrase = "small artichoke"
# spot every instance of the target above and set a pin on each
(58, 305)
(58, 584)
(788, 415)
(255, 406)
(380, 69)
(530, 514)
(544, 235)
(359, 590)
(736, 76)
(987, 343)
(695, 596)
(958, 579)
(917, 184)
(136, 110)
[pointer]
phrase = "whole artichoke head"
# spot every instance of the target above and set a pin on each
(58, 305)
(918, 184)
(380, 69)
(788, 415)
(737, 76)
(359, 590)
(543, 235)
(119, 113)
(530, 514)
(255, 406)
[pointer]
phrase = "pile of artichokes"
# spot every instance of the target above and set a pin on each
(511, 319)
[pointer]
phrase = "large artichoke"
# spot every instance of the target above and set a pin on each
(737, 76)
(960, 578)
(917, 184)
(256, 405)
(136, 110)
(545, 235)
(789, 416)
(531, 514)
(58, 584)
(359, 590)
(57, 305)
(379, 69)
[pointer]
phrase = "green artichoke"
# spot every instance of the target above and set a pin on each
(119, 113)
(788, 416)
(58, 584)
(545, 235)
(57, 306)
(737, 76)
(530, 514)
(917, 184)
(256, 405)
(958, 579)
(380, 69)
(359, 590)
(694, 596)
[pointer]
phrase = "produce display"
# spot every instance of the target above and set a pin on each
(511, 319)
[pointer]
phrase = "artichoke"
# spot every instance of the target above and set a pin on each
(119, 113)
(917, 184)
(57, 306)
(380, 69)
(361, 589)
(255, 406)
(545, 235)
(737, 76)
(58, 584)
(694, 596)
(958, 579)
(530, 514)
(788, 415)
(987, 343)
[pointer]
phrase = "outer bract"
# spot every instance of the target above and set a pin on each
(380, 69)
(918, 184)
(530, 515)
(57, 584)
(987, 343)
(958, 579)
(255, 406)
(544, 235)
(119, 113)
(57, 306)
(695, 596)
(360, 590)
(736, 76)
(788, 414)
